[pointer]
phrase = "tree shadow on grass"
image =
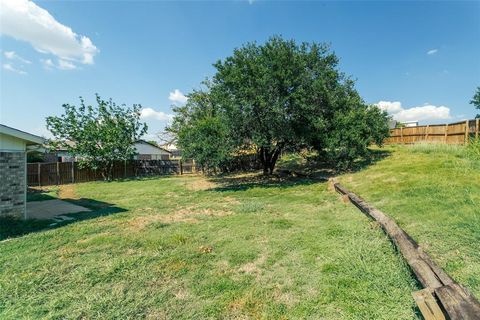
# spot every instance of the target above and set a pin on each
(256, 179)
(291, 173)
(374, 156)
(42, 193)
(11, 227)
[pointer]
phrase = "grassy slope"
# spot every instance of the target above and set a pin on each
(433, 192)
(289, 250)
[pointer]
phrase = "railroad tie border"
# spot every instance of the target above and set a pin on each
(442, 297)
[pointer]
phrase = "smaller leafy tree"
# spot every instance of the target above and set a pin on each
(98, 136)
(473, 147)
(201, 132)
(476, 101)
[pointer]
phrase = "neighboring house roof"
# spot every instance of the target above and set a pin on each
(150, 145)
(30, 139)
(410, 123)
(153, 145)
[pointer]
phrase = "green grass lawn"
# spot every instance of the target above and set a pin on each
(433, 192)
(247, 247)
(188, 248)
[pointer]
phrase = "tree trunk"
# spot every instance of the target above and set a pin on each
(107, 171)
(269, 158)
(274, 158)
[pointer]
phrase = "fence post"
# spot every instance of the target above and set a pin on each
(40, 177)
(467, 131)
(426, 132)
(181, 166)
(73, 171)
(58, 173)
(477, 128)
(194, 170)
(446, 133)
(401, 134)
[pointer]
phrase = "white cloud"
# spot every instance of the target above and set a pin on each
(25, 21)
(149, 113)
(9, 67)
(390, 106)
(62, 64)
(12, 55)
(423, 113)
(65, 65)
(431, 52)
(48, 63)
(177, 97)
(426, 112)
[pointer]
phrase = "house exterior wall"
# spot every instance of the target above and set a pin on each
(13, 183)
(149, 152)
(152, 157)
(9, 143)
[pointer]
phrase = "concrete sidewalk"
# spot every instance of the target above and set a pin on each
(50, 209)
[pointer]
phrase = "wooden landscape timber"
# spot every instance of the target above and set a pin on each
(443, 297)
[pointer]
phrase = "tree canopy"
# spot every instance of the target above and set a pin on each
(476, 101)
(274, 97)
(98, 135)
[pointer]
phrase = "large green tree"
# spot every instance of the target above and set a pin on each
(285, 96)
(98, 136)
(476, 100)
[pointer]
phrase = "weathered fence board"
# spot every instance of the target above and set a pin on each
(56, 173)
(452, 133)
(456, 301)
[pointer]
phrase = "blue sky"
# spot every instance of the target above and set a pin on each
(420, 60)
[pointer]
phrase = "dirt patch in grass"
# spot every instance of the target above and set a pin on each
(285, 297)
(192, 211)
(181, 293)
(200, 184)
(156, 314)
(230, 201)
(255, 266)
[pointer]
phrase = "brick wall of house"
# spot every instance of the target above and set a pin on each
(12, 184)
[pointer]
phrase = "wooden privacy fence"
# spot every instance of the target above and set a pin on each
(56, 173)
(450, 133)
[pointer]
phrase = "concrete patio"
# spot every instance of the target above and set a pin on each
(50, 209)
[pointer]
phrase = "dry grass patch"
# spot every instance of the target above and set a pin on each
(190, 214)
(199, 184)
(254, 267)
(93, 237)
(67, 191)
